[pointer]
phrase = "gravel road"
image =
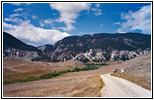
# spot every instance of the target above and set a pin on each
(118, 87)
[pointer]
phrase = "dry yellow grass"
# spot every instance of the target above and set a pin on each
(138, 80)
(75, 84)
(21, 69)
(86, 86)
(89, 87)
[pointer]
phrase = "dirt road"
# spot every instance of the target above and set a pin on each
(118, 87)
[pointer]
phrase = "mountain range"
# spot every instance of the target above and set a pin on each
(87, 48)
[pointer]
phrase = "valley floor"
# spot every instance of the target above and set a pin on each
(77, 84)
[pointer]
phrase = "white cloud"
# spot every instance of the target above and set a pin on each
(34, 34)
(93, 9)
(120, 31)
(34, 17)
(41, 24)
(117, 23)
(138, 20)
(14, 15)
(48, 21)
(16, 20)
(98, 13)
(97, 5)
(69, 12)
(18, 9)
(96, 10)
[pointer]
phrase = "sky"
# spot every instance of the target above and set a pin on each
(46, 23)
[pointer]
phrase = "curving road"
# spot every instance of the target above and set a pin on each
(118, 87)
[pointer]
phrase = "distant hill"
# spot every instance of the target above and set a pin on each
(12, 47)
(101, 47)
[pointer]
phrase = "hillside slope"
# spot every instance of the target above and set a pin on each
(101, 47)
(12, 47)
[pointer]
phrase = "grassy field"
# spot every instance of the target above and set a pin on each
(67, 85)
(90, 87)
(14, 69)
(89, 66)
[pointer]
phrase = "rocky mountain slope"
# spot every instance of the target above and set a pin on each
(12, 47)
(87, 48)
(101, 47)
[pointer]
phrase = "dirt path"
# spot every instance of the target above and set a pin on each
(118, 87)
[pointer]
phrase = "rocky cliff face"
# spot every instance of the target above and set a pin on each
(97, 55)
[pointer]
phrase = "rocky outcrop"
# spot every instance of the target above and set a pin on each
(93, 55)
(97, 55)
(12, 52)
(122, 55)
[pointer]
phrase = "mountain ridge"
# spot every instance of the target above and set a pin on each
(70, 47)
(95, 47)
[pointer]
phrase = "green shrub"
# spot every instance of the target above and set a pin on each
(21, 80)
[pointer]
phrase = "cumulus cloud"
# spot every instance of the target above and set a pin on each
(69, 12)
(34, 34)
(97, 10)
(138, 20)
(18, 9)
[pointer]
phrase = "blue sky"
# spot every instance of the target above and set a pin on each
(46, 23)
